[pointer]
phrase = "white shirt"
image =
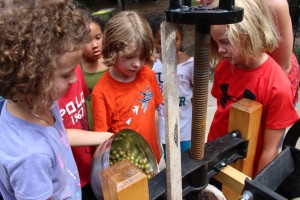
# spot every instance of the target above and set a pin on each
(185, 76)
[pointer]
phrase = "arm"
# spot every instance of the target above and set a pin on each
(282, 54)
(156, 120)
(79, 137)
(271, 141)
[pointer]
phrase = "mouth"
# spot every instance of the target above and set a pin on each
(226, 57)
(133, 71)
(97, 53)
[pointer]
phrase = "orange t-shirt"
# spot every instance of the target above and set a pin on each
(118, 105)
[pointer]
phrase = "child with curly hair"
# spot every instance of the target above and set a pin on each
(40, 46)
(128, 94)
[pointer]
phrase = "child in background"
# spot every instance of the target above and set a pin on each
(92, 61)
(41, 44)
(247, 71)
(127, 95)
(73, 112)
(185, 70)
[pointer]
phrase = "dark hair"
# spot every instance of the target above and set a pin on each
(98, 20)
(156, 21)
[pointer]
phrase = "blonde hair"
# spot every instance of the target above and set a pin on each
(256, 33)
(35, 34)
(124, 29)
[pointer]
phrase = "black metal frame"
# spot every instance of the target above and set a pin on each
(265, 184)
(218, 154)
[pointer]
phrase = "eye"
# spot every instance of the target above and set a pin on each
(98, 37)
(225, 41)
(129, 57)
(66, 76)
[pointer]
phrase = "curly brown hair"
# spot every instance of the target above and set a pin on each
(34, 35)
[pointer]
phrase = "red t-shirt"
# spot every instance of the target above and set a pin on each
(74, 115)
(118, 105)
(266, 84)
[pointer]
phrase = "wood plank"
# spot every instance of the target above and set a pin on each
(171, 103)
(124, 181)
(232, 178)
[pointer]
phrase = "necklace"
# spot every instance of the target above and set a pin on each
(40, 118)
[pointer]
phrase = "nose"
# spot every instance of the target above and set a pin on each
(221, 49)
(72, 78)
(136, 63)
(95, 44)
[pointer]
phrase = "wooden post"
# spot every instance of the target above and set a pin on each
(171, 103)
(245, 116)
(124, 181)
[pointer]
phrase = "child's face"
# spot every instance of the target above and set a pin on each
(93, 49)
(225, 48)
(66, 74)
(158, 40)
(126, 67)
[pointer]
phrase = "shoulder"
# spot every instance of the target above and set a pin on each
(186, 68)
(222, 66)
(146, 71)
(277, 5)
(102, 81)
(182, 57)
(78, 69)
(157, 66)
(279, 9)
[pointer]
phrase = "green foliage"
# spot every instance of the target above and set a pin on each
(86, 4)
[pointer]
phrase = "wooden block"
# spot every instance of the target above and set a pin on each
(232, 178)
(124, 181)
(245, 116)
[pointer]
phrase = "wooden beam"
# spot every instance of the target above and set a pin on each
(124, 181)
(232, 178)
(245, 116)
(171, 103)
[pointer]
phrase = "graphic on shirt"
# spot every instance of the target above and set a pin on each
(224, 89)
(140, 102)
(136, 109)
(147, 97)
(74, 108)
(182, 99)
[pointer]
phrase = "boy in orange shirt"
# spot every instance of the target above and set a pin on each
(128, 94)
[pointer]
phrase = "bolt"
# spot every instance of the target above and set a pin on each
(185, 8)
(234, 134)
(247, 195)
(223, 164)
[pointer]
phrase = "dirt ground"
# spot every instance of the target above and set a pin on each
(144, 6)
